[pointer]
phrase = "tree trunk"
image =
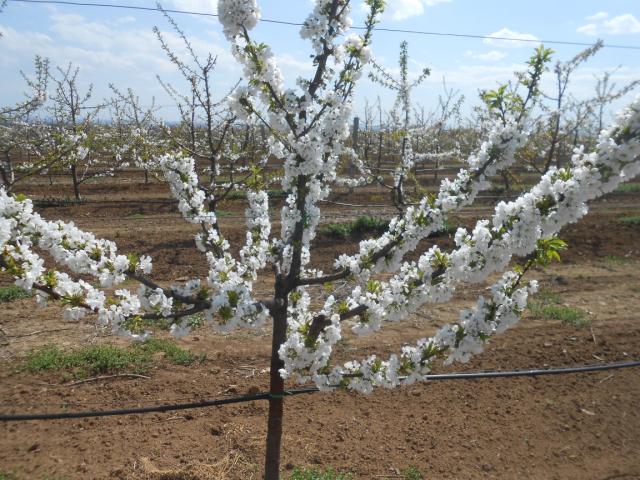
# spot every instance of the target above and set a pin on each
(76, 183)
(6, 172)
(354, 144)
(276, 402)
(505, 179)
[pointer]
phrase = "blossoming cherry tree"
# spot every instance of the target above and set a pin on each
(308, 126)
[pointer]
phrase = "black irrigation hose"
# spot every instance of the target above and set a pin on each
(533, 372)
(266, 396)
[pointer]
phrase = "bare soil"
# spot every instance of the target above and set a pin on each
(579, 426)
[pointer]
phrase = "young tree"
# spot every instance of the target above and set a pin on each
(563, 72)
(137, 137)
(606, 92)
(439, 133)
(71, 141)
(206, 131)
(16, 131)
(401, 118)
(308, 128)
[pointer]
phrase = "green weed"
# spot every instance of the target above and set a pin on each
(11, 293)
(103, 359)
(616, 259)
(628, 188)
(547, 296)
(630, 220)
(174, 354)
(358, 228)
(412, 473)
(313, 474)
(547, 305)
(570, 316)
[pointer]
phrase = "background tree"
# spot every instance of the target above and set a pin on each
(16, 131)
(401, 117)
(206, 131)
(138, 140)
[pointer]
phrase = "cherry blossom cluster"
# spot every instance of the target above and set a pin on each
(25, 232)
(386, 252)
(226, 301)
(308, 127)
(237, 15)
(231, 300)
(559, 198)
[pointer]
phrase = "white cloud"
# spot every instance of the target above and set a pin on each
(398, 10)
(505, 36)
(588, 29)
(109, 51)
(475, 76)
(602, 23)
(622, 24)
(597, 16)
(491, 56)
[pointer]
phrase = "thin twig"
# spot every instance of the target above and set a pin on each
(38, 332)
(609, 377)
(105, 377)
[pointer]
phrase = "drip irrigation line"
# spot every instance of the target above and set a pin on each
(301, 391)
(533, 372)
(298, 24)
(152, 409)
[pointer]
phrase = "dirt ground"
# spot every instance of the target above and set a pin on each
(579, 426)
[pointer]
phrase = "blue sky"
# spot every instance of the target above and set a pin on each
(118, 46)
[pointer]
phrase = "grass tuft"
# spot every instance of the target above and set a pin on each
(106, 359)
(628, 188)
(11, 293)
(616, 259)
(633, 220)
(358, 228)
(174, 354)
(412, 473)
(570, 316)
(548, 306)
(313, 474)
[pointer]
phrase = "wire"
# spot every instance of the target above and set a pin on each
(283, 22)
(301, 391)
